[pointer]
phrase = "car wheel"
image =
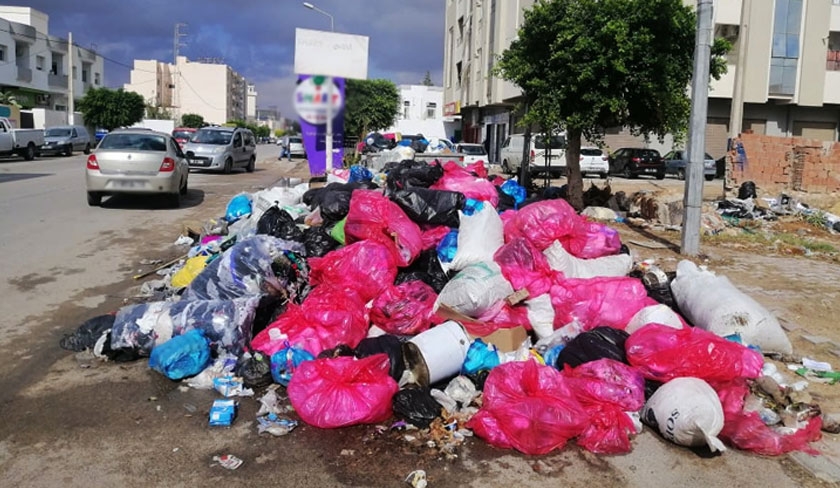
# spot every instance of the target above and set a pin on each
(660, 175)
(94, 199)
(29, 154)
(175, 200)
(681, 174)
(506, 167)
(628, 173)
(710, 177)
(87, 148)
(228, 166)
(252, 164)
(184, 188)
(68, 150)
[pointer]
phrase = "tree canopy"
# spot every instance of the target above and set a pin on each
(192, 120)
(111, 109)
(605, 63)
(371, 105)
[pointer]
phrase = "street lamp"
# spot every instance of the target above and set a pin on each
(328, 137)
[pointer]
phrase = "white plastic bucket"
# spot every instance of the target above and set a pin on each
(440, 352)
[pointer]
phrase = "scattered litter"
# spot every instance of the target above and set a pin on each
(223, 412)
(348, 452)
(182, 241)
(275, 425)
(228, 461)
(417, 479)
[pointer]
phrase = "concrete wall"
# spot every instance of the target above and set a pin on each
(817, 17)
(44, 118)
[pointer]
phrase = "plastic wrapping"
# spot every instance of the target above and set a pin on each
(480, 357)
(182, 356)
(448, 247)
(559, 259)
(367, 267)
(245, 269)
(285, 361)
(239, 206)
(434, 235)
(226, 323)
(433, 207)
(592, 240)
(475, 290)
(479, 237)
(528, 407)
(662, 353)
(524, 267)
(404, 309)
(343, 391)
(373, 217)
(597, 301)
(516, 191)
(192, 268)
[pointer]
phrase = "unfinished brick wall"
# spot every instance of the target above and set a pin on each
(784, 163)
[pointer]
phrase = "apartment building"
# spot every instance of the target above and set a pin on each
(35, 66)
(791, 75)
(251, 103)
(421, 112)
(210, 89)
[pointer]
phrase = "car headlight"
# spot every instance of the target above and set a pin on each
(218, 150)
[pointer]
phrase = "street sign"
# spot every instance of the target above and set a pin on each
(331, 54)
(310, 100)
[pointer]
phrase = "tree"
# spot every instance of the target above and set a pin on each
(7, 98)
(427, 80)
(157, 112)
(606, 63)
(192, 120)
(262, 131)
(371, 105)
(111, 109)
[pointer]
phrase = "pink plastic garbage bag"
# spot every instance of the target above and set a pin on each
(594, 302)
(343, 391)
(542, 223)
(524, 266)
(367, 266)
(663, 353)
(529, 407)
(404, 309)
(592, 240)
(374, 217)
(456, 178)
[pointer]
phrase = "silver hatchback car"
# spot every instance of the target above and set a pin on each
(222, 149)
(137, 161)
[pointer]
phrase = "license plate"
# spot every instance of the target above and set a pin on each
(650, 170)
(199, 162)
(130, 184)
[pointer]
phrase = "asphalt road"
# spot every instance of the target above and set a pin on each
(66, 421)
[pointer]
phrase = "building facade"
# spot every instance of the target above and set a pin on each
(251, 104)
(421, 112)
(35, 66)
(213, 90)
(791, 74)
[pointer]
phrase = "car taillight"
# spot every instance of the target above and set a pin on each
(168, 164)
(461, 159)
(533, 156)
(637, 160)
(604, 157)
(581, 158)
(92, 163)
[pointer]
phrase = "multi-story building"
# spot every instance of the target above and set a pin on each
(213, 90)
(251, 103)
(421, 112)
(35, 66)
(791, 74)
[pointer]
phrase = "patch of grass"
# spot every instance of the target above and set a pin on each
(817, 219)
(750, 237)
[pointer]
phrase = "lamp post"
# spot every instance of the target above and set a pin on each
(328, 139)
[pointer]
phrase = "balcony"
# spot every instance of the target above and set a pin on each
(58, 81)
(24, 74)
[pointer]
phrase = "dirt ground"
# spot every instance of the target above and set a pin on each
(68, 420)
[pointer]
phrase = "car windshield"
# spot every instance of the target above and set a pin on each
(221, 137)
(473, 150)
(590, 152)
(649, 153)
(57, 133)
(136, 142)
(557, 142)
(182, 134)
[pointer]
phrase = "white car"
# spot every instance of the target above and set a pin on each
(540, 160)
(471, 153)
(594, 161)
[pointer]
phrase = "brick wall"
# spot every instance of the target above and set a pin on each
(784, 163)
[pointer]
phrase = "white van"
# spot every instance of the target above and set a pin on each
(540, 162)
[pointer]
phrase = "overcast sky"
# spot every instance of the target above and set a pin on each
(255, 37)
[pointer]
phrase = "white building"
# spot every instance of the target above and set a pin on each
(421, 112)
(213, 90)
(35, 66)
(251, 103)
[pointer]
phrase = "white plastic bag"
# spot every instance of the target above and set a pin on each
(479, 237)
(686, 411)
(475, 289)
(573, 267)
(654, 314)
(713, 303)
(541, 315)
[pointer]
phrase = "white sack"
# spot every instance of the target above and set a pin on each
(480, 235)
(475, 289)
(573, 267)
(654, 314)
(687, 412)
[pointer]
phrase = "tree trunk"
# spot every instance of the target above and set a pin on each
(574, 178)
(525, 167)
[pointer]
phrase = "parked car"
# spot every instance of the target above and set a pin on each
(222, 149)
(677, 161)
(292, 146)
(23, 142)
(540, 160)
(137, 161)
(99, 134)
(634, 161)
(65, 139)
(183, 135)
(594, 161)
(471, 153)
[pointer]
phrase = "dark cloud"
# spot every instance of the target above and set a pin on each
(255, 37)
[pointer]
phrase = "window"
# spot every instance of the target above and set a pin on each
(785, 51)
(3, 50)
(56, 67)
(406, 108)
(237, 140)
(458, 70)
(75, 73)
(97, 79)
(84, 76)
(40, 61)
(431, 110)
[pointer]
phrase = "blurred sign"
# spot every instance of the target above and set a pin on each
(331, 54)
(452, 108)
(314, 133)
(311, 100)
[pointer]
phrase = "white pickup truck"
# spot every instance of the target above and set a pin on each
(23, 142)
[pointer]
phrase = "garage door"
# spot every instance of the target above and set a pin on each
(824, 131)
(717, 135)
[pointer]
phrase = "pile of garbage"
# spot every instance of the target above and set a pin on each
(459, 304)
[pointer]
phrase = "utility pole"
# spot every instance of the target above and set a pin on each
(71, 97)
(736, 114)
(693, 199)
(176, 47)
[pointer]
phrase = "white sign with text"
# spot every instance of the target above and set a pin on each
(331, 54)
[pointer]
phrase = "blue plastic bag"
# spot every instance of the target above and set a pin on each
(182, 356)
(359, 173)
(285, 361)
(472, 206)
(239, 206)
(447, 247)
(515, 190)
(551, 355)
(480, 357)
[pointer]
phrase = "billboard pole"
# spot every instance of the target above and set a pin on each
(328, 139)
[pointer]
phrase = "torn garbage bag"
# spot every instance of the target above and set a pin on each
(417, 406)
(246, 269)
(182, 356)
(404, 309)
(373, 217)
(475, 290)
(433, 207)
(331, 393)
(366, 266)
(524, 267)
(86, 336)
(528, 407)
(285, 361)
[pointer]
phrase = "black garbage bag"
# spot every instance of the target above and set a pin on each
(335, 205)
(122, 355)
(598, 343)
(416, 406)
(479, 378)
(318, 241)
(269, 308)
(254, 369)
(434, 207)
(411, 174)
(747, 190)
(338, 351)
(506, 202)
(425, 268)
(388, 344)
(88, 333)
(278, 223)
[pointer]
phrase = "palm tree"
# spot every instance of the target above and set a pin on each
(8, 99)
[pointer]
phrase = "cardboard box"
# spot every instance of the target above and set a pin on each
(505, 340)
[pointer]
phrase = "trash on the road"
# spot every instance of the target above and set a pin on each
(275, 425)
(182, 356)
(228, 461)
(417, 479)
(239, 206)
(688, 412)
(223, 412)
(231, 386)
